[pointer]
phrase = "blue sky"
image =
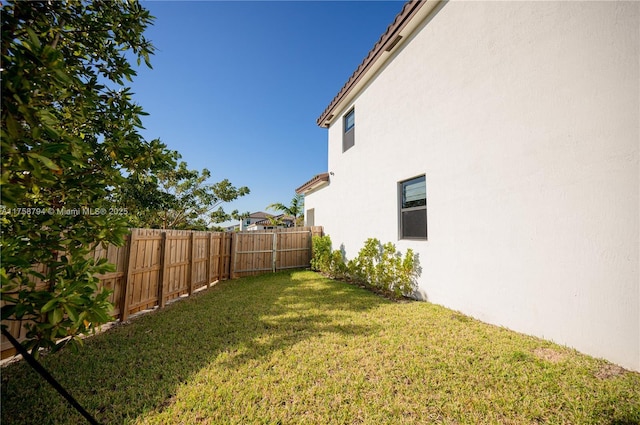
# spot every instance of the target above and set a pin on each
(237, 86)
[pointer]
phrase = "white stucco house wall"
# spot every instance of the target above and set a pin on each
(500, 141)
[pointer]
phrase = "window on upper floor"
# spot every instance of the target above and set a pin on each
(349, 130)
(412, 211)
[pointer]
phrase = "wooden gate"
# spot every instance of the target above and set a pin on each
(270, 251)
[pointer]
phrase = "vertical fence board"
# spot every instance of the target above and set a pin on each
(124, 310)
(209, 259)
(234, 249)
(190, 267)
(163, 270)
(226, 246)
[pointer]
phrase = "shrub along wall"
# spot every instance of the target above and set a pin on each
(378, 266)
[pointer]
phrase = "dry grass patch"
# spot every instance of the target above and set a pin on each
(550, 355)
(608, 371)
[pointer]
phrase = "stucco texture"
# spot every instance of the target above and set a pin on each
(524, 118)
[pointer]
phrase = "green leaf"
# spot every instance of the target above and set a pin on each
(12, 126)
(50, 305)
(71, 312)
(7, 311)
(63, 77)
(55, 316)
(45, 161)
(33, 38)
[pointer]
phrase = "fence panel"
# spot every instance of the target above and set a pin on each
(200, 261)
(178, 268)
(155, 266)
(221, 256)
(114, 281)
(143, 271)
(256, 252)
(252, 253)
(293, 249)
(17, 328)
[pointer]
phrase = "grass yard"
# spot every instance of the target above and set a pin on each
(298, 348)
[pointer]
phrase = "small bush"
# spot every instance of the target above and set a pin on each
(321, 253)
(327, 261)
(338, 267)
(378, 266)
(362, 268)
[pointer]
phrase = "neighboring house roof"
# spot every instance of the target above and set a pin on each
(403, 24)
(259, 214)
(317, 181)
(284, 221)
(283, 218)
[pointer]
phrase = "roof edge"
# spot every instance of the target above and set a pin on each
(317, 181)
(385, 43)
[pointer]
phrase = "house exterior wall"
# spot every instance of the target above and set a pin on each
(524, 118)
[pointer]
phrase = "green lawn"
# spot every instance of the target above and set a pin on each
(298, 348)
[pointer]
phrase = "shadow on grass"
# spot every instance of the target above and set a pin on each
(137, 367)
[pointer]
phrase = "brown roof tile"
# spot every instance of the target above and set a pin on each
(315, 181)
(385, 43)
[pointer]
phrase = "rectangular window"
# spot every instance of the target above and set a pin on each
(412, 218)
(311, 217)
(349, 120)
(349, 125)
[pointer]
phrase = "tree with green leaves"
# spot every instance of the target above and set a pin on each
(275, 220)
(179, 198)
(69, 139)
(295, 208)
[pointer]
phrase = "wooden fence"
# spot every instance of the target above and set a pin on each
(260, 252)
(155, 266)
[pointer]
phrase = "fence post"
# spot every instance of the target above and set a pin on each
(209, 260)
(124, 312)
(223, 256)
(233, 248)
(164, 253)
(275, 252)
(310, 244)
(192, 247)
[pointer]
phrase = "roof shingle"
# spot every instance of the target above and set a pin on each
(385, 43)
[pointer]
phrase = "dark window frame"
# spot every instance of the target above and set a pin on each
(412, 212)
(348, 131)
(351, 113)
